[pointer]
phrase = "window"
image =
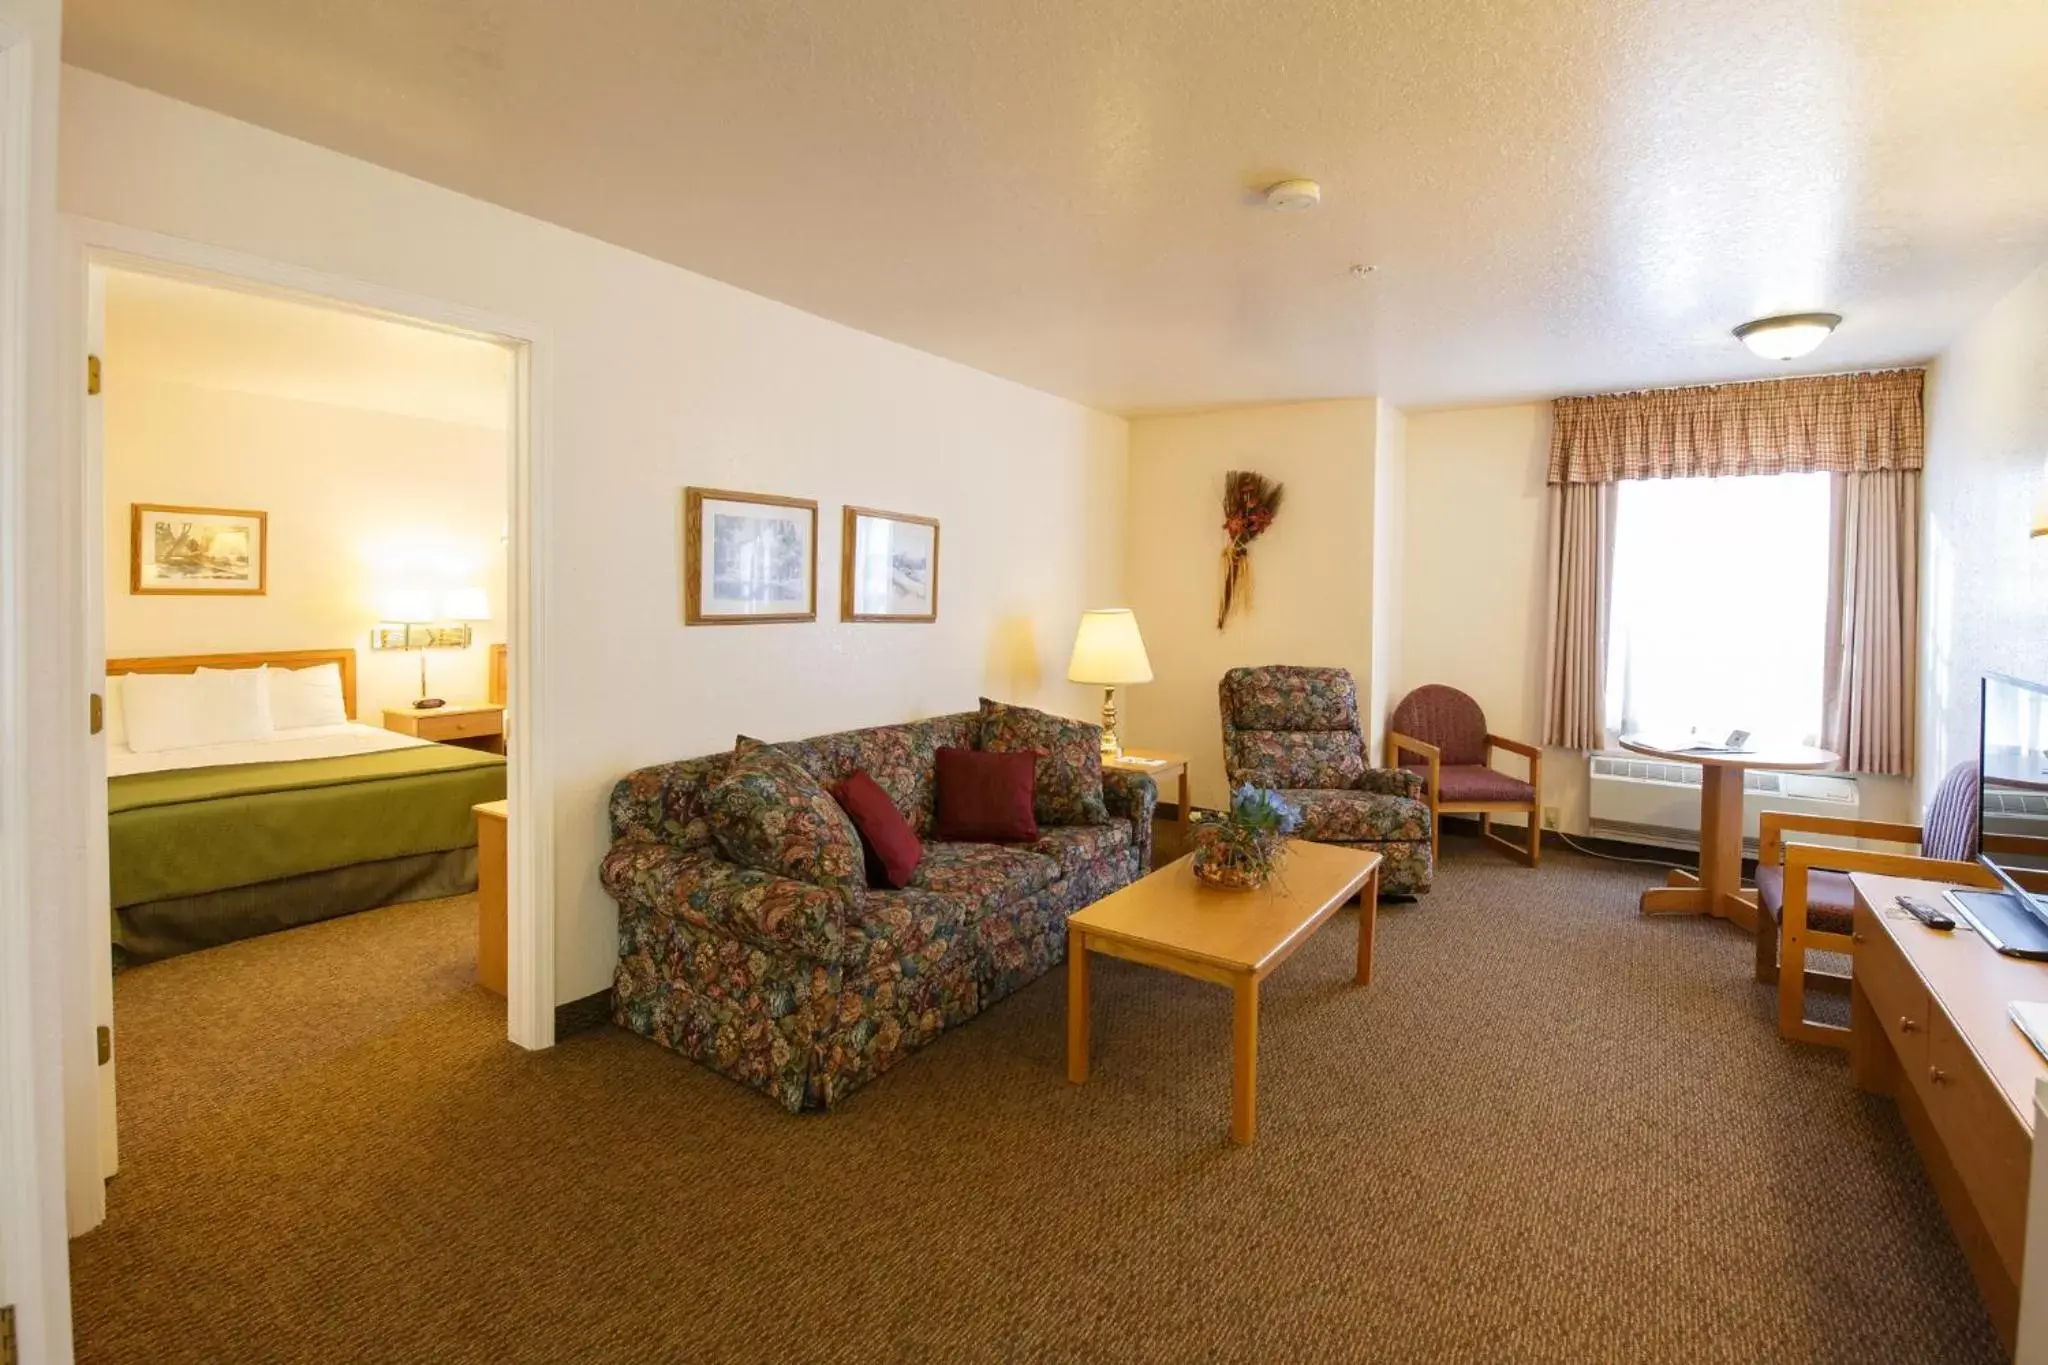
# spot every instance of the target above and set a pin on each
(1719, 606)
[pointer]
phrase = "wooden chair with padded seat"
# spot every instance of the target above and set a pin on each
(1805, 902)
(1447, 730)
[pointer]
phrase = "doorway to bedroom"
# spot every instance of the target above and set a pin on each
(306, 604)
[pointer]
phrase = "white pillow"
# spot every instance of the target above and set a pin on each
(190, 710)
(115, 718)
(300, 697)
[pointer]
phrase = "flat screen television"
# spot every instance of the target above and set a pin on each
(2012, 816)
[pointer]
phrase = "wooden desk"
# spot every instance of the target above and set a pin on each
(1715, 890)
(1928, 1027)
(490, 895)
(1174, 921)
(1164, 765)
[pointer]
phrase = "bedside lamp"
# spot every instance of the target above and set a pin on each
(1109, 653)
(411, 607)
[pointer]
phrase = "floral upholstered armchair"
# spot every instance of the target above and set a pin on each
(1296, 730)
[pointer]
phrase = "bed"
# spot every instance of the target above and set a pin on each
(209, 843)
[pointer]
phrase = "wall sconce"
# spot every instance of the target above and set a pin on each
(411, 623)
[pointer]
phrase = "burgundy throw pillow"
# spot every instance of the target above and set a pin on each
(985, 798)
(891, 845)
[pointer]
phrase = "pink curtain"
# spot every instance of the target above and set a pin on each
(1868, 430)
(1581, 566)
(1873, 621)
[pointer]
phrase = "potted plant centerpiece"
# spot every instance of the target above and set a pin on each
(1244, 846)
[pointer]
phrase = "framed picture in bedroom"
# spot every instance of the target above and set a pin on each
(748, 558)
(888, 567)
(197, 551)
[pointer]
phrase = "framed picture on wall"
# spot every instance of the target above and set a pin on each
(888, 567)
(748, 558)
(197, 551)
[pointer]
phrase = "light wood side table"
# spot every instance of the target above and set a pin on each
(490, 895)
(473, 725)
(1162, 765)
(1717, 889)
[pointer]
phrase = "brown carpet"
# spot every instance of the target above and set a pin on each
(1552, 1130)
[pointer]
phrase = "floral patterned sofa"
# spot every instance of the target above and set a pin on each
(1296, 730)
(807, 992)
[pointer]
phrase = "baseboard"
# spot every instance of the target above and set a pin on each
(581, 1016)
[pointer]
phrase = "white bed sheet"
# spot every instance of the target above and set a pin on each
(284, 746)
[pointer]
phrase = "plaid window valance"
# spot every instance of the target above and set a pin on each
(1837, 424)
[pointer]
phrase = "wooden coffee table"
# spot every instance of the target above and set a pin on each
(1234, 938)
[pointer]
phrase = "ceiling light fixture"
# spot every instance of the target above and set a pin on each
(1789, 335)
(1294, 196)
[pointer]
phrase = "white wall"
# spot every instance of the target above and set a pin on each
(664, 378)
(358, 501)
(1984, 582)
(1312, 572)
(45, 989)
(1472, 585)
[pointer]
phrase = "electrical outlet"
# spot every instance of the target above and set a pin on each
(1550, 817)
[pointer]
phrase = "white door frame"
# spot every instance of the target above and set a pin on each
(530, 965)
(34, 1261)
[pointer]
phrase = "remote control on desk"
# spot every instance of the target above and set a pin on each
(1933, 916)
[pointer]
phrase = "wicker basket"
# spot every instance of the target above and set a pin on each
(1230, 857)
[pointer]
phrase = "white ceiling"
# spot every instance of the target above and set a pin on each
(1560, 195)
(175, 331)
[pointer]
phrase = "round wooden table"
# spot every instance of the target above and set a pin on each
(1715, 890)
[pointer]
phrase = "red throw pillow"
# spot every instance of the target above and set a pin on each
(893, 851)
(985, 798)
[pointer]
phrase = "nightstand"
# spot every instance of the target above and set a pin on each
(473, 725)
(490, 895)
(1157, 766)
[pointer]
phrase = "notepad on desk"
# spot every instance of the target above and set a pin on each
(2032, 1020)
(1137, 762)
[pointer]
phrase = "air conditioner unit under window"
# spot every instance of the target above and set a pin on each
(1648, 801)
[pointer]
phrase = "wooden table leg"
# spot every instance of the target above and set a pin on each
(1244, 1058)
(1368, 917)
(1185, 808)
(1077, 1005)
(1720, 853)
(1720, 834)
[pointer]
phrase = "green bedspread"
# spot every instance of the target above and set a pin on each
(195, 830)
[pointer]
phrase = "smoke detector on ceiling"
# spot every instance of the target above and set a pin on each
(1294, 196)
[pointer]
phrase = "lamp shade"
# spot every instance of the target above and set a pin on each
(466, 604)
(407, 606)
(1108, 651)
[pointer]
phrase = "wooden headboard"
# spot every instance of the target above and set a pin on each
(499, 687)
(280, 658)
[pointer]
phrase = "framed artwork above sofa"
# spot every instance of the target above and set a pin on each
(888, 566)
(748, 558)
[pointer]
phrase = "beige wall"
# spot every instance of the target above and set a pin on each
(358, 500)
(1984, 582)
(1472, 586)
(1312, 572)
(664, 378)
(1389, 568)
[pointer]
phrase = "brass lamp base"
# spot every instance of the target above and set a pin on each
(1112, 747)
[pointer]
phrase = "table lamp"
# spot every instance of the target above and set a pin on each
(411, 607)
(1109, 653)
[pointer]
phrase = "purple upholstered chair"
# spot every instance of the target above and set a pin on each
(1806, 904)
(1447, 730)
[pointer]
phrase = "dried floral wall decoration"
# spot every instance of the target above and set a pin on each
(1250, 502)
